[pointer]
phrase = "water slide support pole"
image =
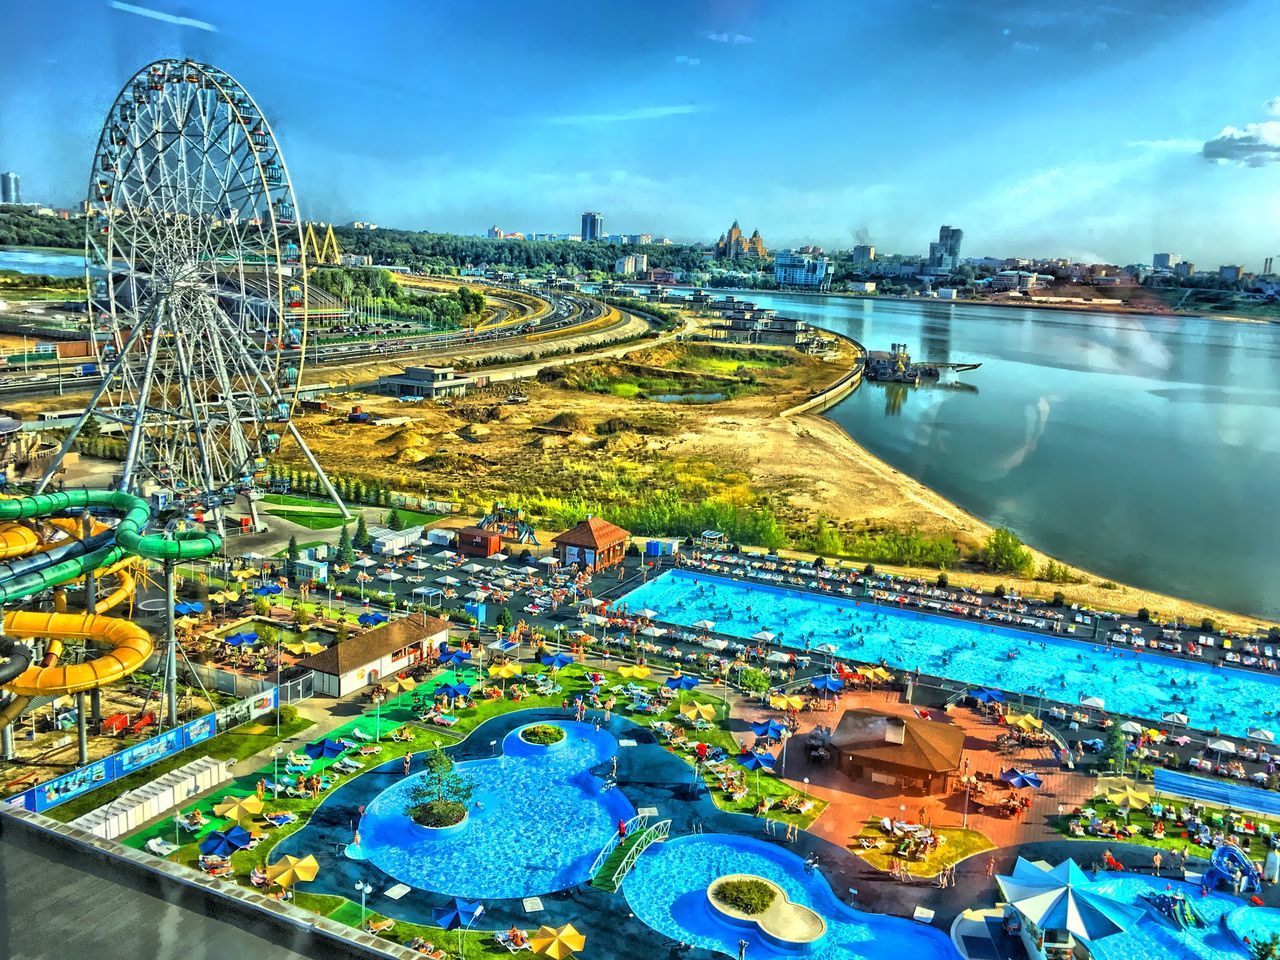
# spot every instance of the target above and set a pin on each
(90, 577)
(171, 640)
(82, 728)
(6, 735)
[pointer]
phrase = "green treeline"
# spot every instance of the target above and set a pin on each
(20, 227)
(379, 289)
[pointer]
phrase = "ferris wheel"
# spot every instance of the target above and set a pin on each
(197, 286)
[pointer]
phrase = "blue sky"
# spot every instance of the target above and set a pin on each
(1041, 129)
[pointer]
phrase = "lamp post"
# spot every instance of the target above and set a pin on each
(364, 890)
(275, 776)
(965, 821)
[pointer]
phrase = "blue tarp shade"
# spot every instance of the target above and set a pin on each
(1218, 792)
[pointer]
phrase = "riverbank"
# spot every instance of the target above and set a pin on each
(822, 469)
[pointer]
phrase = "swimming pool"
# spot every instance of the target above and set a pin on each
(1153, 937)
(1146, 685)
(541, 819)
(1258, 924)
(667, 890)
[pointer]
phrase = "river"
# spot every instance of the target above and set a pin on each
(25, 260)
(1144, 448)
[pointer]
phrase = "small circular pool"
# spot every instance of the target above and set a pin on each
(537, 821)
(667, 889)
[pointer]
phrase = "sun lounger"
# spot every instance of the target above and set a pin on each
(379, 926)
(348, 765)
(160, 847)
(361, 735)
(298, 768)
(505, 939)
(427, 949)
(281, 818)
(400, 735)
(444, 720)
(370, 749)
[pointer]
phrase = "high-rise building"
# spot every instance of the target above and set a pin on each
(1266, 267)
(1165, 261)
(10, 188)
(864, 253)
(631, 264)
(1184, 268)
(944, 255)
(1230, 273)
(734, 246)
(592, 225)
(794, 269)
(495, 233)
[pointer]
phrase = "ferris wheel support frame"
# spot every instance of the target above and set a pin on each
(174, 425)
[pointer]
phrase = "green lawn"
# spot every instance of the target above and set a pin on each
(292, 501)
(312, 520)
(1173, 837)
(960, 845)
(307, 545)
(234, 744)
(415, 518)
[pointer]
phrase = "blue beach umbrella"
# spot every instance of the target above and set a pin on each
(987, 696)
(262, 591)
(182, 609)
(234, 639)
(757, 762)
(768, 728)
(682, 683)
(223, 843)
(367, 619)
(458, 915)
(195, 606)
(827, 684)
(557, 660)
(323, 749)
(1018, 779)
(455, 657)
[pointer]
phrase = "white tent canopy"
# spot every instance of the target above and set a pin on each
(549, 561)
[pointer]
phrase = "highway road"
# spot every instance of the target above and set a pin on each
(564, 315)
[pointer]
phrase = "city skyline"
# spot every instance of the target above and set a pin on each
(1064, 162)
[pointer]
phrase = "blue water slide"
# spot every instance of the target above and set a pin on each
(1226, 861)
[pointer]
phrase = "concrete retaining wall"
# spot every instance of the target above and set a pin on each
(827, 398)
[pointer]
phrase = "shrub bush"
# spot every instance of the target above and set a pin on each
(943, 581)
(1144, 613)
(1059, 598)
(753, 680)
(543, 733)
(438, 813)
(1208, 625)
(746, 896)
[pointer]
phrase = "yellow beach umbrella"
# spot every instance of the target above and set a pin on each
(636, 670)
(880, 673)
(395, 685)
(1024, 722)
(1129, 797)
(238, 808)
(218, 597)
(505, 670)
(290, 870)
(696, 711)
(786, 702)
(310, 647)
(559, 943)
(232, 595)
(294, 648)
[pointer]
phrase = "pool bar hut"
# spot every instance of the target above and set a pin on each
(594, 544)
(918, 755)
(479, 542)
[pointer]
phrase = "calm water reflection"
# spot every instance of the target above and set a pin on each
(1144, 448)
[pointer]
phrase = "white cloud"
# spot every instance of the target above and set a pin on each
(1006, 31)
(1100, 46)
(640, 113)
(1253, 145)
(688, 61)
(1272, 106)
(721, 36)
(1023, 47)
(1173, 145)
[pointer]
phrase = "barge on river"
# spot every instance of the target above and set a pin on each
(895, 366)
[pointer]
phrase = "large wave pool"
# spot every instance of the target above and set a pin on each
(538, 820)
(1146, 685)
(667, 889)
(1155, 938)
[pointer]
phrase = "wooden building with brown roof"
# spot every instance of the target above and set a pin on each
(368, 657)
(594, 544)
(900, 751)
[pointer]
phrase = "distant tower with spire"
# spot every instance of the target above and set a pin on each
(734, 246)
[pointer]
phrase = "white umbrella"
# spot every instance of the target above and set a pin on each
(1221, 746)
(473, 568)
(715, 643)
(448, 581)
(704, 624)
(593, 602)
(477, 595)
(446, 555)
(498, 557)
(1132, 726)
(1097, 703)
(595, 620)
(647, 614)
(504, 583)
(419, 564)
(821, 648)
(549, 561)
(779, 657)
(764, 636)
(1179, 718)
(653, 632)
(1266, 736)
(365, 562)
(391, 576)
(528, 571)
(425, 591)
